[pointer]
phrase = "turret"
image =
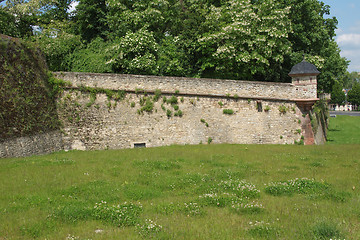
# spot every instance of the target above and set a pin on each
(304, 80)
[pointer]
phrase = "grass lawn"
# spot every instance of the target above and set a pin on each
(188, 192)
(344, 130)
(184, 192)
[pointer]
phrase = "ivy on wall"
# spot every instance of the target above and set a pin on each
(27, 91)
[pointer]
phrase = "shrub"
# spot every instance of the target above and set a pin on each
(172, 100)
(209, 140)
(168, 113)
(283, 109)
(267, 108)
(132, 104)
(221, 104)
(148, 106)
(178, 113)
(228, 111)
(157, 95)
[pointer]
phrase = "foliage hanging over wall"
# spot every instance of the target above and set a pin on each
(27, 98)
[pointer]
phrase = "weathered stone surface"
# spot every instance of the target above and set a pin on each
(195, 86)
(32, 145)
(108, 124)
(120, 126)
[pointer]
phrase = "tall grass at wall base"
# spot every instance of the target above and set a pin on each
(183, 192)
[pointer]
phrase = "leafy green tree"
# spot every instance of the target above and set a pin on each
(337, 94)
(333, 67)
(350, 79)
(134, 53)
(57, 10)
(130, 16)
(313, 35)
(7, 23)
(172, 57)
(354, 95)
(24, 18)
(246, 40)
(57, 42)
(90, 18)
(311, 30)
(92, 57)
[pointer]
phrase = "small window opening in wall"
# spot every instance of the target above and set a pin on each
(259, 106)
(139, 145)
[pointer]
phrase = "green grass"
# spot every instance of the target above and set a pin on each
(184, 192)
(344, 130)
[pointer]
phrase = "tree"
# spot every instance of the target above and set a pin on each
(57, 42)
(134, 53)
(7, 23)
(246, 41)
(313, 34)
(333, 67)
(350, 79)
(90, 18)
(337, 94)
(354, 95)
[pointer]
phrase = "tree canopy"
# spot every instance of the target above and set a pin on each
(246, 39)
(354, 95)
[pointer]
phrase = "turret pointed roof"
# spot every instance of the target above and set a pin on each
(304, 68)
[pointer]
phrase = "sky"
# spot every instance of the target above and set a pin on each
(347, 13)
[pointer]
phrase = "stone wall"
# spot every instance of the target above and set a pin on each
(193, 86)
(109, 124)
(104, 123)
(32, 145)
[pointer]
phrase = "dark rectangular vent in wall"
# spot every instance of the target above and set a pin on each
(139, 145)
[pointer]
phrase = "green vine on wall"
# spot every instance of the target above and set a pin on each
(27, 91)
(320, 113)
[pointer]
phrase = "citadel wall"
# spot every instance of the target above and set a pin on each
(110, 124)
(36, 144)
(263, 113)
(195, 86)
